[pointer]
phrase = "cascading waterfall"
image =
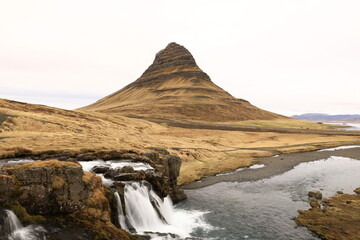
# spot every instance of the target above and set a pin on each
(139, 211)
(11, 223)
(14, 230)
(121, 215)
(147, 212)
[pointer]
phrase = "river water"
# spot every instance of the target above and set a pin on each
(265, 209)
(354, 126)
(350, 126)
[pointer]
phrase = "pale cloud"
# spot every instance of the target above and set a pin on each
(284, 56)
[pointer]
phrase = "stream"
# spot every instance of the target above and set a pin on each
(265, 209)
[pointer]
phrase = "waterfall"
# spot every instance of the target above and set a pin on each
(121, 215)
(147, 213)
(14, 230)
(11, 223)
(139, 211)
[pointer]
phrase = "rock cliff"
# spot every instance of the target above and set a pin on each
(60, 195)
(174, 87)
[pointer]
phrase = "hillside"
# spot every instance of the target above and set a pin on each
(328, 117)
(174, 87)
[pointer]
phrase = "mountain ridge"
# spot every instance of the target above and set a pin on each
(174, 87)
(328, 117)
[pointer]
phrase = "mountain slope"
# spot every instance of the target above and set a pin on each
(327, 117)
(174, 87)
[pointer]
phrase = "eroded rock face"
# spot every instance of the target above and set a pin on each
(47, 187)
(42, 190)
(7, 186)
(169, 166)
(163, 178)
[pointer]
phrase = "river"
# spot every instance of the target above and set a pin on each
(265, 209)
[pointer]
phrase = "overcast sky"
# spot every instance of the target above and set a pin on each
(286, 56)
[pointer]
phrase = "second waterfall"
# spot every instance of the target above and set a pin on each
(147, 213)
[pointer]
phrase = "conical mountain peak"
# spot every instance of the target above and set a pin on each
(174, 56)
(174, 87)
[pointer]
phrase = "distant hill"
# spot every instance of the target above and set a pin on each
(328, 117)
(174, 87)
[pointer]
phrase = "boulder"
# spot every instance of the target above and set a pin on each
(152, 156)
(315, 194)
(136, 176)
(357, 191)
(314, 204)
(112, 173)
(88, 156)
(127, 169)
(100, 169)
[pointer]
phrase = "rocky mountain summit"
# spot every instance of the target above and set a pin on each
(174, 87)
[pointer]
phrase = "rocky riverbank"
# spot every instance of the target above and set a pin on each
(55, 192)
(334, 218)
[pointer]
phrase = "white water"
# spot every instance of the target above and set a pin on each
(339, 148)
(15, 161)
(121, 215)
(255, 166)
(89, 165)
(354, 126)
(16, 231)
(147, 212)
(138, 166)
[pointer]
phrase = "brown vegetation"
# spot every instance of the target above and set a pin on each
(338, 220)
(203, 151)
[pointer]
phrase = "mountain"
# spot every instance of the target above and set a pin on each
(174, 87)
(328, 117)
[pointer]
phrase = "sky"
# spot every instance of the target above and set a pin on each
(289, 57)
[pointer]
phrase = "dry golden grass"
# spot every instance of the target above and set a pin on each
(48, 163)
(204, 152)
(287, 123)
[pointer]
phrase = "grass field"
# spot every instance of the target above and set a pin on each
(203, 151)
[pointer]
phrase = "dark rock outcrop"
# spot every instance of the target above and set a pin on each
(47, 184)
(59, 194)
(163, 177)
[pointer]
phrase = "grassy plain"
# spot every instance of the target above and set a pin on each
(204, 152)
